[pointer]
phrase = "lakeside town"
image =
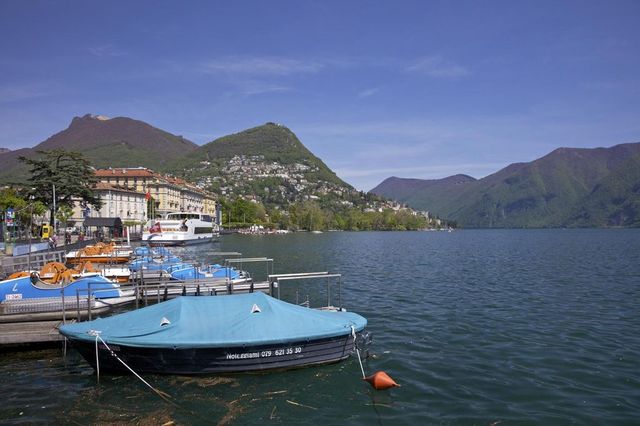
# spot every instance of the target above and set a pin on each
(321, 212)
(136, 195)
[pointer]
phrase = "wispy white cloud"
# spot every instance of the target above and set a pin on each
(105, 50)
(414, 129)
(21, 92)
(368, 92)
(438, 67)
(252, 88)
(270, 65)
(430, 148)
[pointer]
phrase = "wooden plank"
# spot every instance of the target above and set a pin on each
(29, 332)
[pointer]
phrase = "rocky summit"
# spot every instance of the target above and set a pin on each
(117, 142)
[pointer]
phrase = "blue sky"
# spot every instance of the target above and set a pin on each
(420, 89)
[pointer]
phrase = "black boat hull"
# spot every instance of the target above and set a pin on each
(190, 361)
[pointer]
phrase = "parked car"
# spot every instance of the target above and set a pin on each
(72, 230)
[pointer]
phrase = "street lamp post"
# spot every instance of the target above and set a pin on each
(31, 198)
(54, 208)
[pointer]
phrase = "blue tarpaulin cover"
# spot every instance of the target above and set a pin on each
(217, 321)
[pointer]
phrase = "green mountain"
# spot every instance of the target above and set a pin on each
(431, 192)
(568, 187)
(262, 175)
(267, 161)
(115, 142)
(615, 200)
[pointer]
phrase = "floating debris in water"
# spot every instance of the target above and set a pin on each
(301, 405)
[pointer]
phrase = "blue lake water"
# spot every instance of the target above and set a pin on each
(509, 326)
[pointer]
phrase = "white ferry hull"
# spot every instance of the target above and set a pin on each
(179, 229)
(174, 240)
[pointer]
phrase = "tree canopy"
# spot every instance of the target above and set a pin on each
(66, 174)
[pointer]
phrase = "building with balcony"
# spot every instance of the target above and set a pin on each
(128, 205)
(167, 193)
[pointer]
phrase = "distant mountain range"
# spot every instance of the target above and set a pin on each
(115, 142)
(569, 187)
(267, 162)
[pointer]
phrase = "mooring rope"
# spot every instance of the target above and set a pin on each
(353, 333)
(97, 359)
(162, 395)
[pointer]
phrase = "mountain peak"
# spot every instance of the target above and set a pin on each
(89, 118)
(116, 142)
(271, 153)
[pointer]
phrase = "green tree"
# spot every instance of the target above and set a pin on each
(10, 198)
(66, 174)
(64, 213)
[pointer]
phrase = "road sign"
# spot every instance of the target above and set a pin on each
(10, 216)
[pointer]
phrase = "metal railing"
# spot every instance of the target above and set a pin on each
(276, 279)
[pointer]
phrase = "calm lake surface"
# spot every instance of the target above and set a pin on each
(509, 326)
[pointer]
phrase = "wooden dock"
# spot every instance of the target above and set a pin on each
(20, 333)
(20, 326)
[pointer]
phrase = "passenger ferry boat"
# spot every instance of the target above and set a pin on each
(179, 229)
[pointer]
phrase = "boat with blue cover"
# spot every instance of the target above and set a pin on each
(152, 251)
(153, 259)
(148, 263)
(203, 335)
(191, 272)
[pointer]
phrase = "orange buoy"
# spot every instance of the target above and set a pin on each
(381, 381)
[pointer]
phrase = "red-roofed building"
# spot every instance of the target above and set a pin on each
(169, 193)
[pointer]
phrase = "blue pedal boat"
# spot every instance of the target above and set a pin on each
(28, 298)
(31, 287)
(223, 334)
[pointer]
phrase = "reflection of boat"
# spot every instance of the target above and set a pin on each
(202, 335)
(179, 228)
(100, 253)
